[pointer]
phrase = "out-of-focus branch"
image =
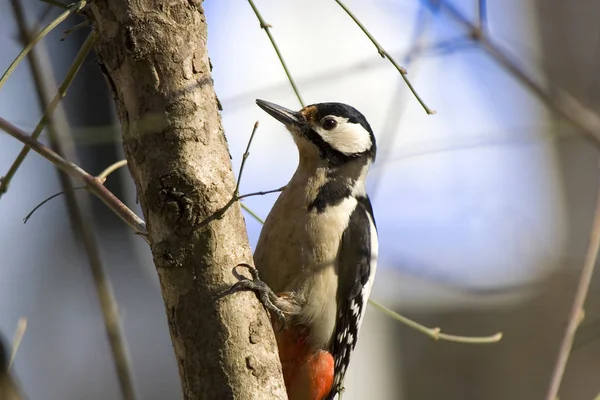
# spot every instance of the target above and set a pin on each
(481, 22)
(17, 339)
(577, 310)
(75, 7)
(92, 183)
(581, 117)
(43, 79)
(80, 212)
(267, 27)
(436, 333)
(384, 54)
(9, 389)
(62, 90)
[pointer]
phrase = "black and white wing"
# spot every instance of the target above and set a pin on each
(356, 270)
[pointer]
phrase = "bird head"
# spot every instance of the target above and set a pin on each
(333, 133)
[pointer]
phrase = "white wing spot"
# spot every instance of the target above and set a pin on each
(350, 339)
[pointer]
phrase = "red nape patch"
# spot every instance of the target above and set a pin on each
(308, 373)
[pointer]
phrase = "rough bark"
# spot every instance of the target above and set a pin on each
(154, 56)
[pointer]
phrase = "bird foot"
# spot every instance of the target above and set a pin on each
(274, 304)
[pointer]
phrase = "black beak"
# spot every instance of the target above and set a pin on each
(282, 114)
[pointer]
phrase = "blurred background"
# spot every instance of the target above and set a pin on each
(484, 209)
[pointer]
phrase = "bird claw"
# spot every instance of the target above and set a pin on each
(265, 294)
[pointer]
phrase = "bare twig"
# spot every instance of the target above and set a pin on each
(72, 9)
(62, 89)
(586, 120)
(236, 196)
(577, 310)
(77, 27)
(384, 54)
(30, 213)
(252, 213)
(45, 86)
(266, 27)
(102, 178)
(243, 196)
(110, 169)
(436, 333)
(17, 339)
(93, 184)
(244, 158)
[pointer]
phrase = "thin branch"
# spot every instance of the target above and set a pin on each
(235, 197)
(45, 86)
(62, 90)
(266, 27)
(384, 54)
(93, 184)
(581, 117)
(243, 196)
(17, 339)
(244, 158)
(75, 7)
(111, 168)
(577, 311)
(28, 216)
(396, 106)
(77, 27)
(102, 178)
(436, 333)
(252, 213)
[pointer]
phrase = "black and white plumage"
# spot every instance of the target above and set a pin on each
(319, 242)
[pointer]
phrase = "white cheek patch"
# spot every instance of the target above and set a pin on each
(347, 137)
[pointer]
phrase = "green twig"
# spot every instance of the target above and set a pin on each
(266, 27)
(252, 213)
(72, 9)
(62, 89)
(110, 169)
(383, 53)
(435, 333)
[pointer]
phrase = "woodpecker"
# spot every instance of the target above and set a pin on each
(317, 252)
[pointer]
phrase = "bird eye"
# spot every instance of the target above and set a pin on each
(328, 123)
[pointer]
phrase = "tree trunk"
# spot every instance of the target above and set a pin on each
(154, 56)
